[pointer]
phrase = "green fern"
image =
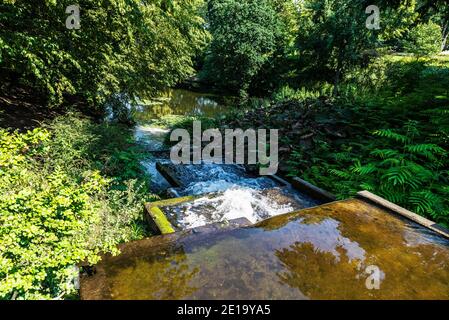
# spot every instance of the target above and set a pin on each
(390, 134)
(403, 171)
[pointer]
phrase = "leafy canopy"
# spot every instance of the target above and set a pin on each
(244, 36)
(131, 47)
(425, 39)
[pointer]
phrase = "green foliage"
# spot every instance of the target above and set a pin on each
(244, 36)
(287, 93)
(397, 20)
(396, 140)
(333, 35)
(403, 170)
(388, 134)
(438, 12)
(124, 46)
(424, 39)
(67, 193)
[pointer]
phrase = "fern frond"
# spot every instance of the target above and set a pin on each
(424, 201)
(390, 134)
(363, 170)
(427, 150)
(384, 153)
(340, 174)
(390, 162)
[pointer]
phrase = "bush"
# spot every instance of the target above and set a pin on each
(404, 169)
(424, 39)
(67, 193)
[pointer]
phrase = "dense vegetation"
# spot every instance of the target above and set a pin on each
(128, 47)
(358, 108)
(353, 113)
(69, 191)
(392, 141)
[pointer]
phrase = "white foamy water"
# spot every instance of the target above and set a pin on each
(208, 178)
(229, 191)
(234, 203)
(210, 186)
(158, 182)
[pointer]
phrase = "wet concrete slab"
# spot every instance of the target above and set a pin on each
(324, 252)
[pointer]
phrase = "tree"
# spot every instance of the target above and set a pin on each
(131, 47)
(333, 35)
(424, 39)
(282, 63)
(397, 19)
(244, 35)
(437, 10)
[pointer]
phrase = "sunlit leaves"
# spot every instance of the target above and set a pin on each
(131, 47)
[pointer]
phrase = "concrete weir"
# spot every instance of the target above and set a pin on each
(362, 248)
(231, 194)
(284, 240)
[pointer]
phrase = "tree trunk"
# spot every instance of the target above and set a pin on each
(337, 82)
(338, 74)
(445, 35)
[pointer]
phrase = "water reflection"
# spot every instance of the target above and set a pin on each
(158, 273)
(320, 274)
(318, 253)
(325, 237)
(181, 102)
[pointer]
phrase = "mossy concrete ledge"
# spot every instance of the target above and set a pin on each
(157, 220)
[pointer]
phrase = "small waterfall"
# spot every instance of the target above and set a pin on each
(224, 192)
(234, 203)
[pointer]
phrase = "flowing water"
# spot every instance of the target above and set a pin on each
(236, 202)
(321, 253)
(324, 252)
(229, 191)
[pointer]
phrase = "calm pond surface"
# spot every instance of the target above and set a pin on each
(182, 102)
(318, 253)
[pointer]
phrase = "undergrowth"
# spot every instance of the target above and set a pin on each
(69, 191)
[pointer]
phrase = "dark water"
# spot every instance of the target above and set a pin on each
(318, 253)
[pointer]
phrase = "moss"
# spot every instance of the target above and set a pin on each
(161, 220)
(171, 202)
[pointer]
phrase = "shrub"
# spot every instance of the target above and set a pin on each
(424, 40)
(67, 193)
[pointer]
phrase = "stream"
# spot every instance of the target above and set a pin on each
(224, 192)
(339, 250)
